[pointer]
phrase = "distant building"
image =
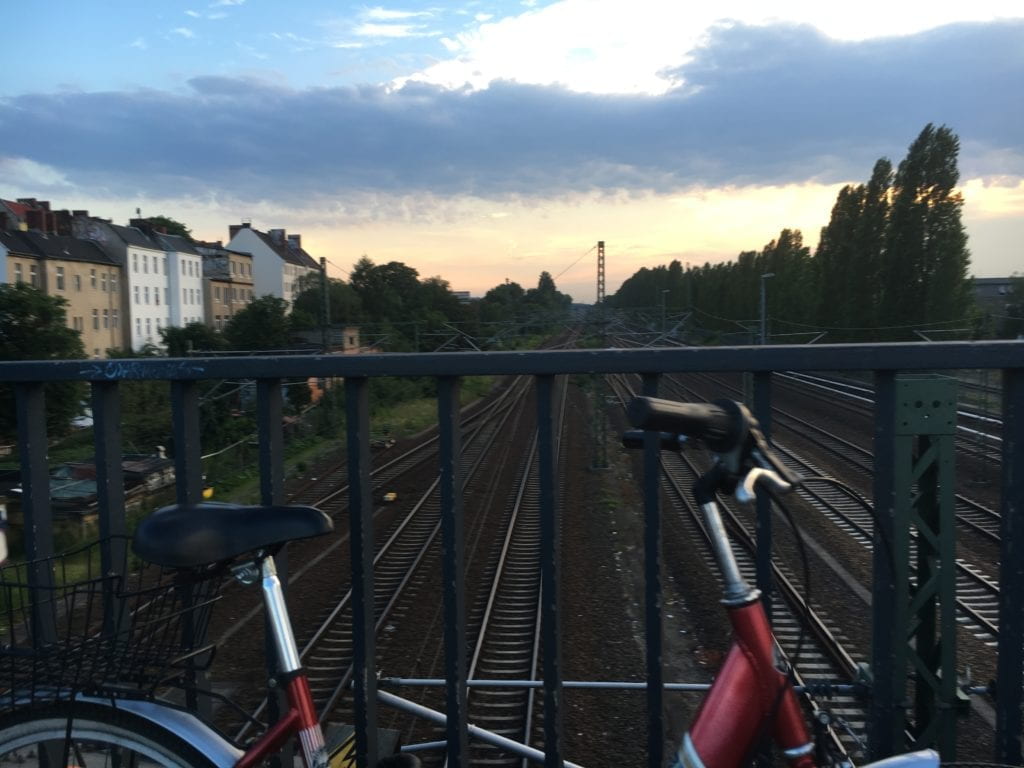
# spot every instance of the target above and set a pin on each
(277, 257)
(145, 295)
(184, 279)
(27, 213)
(227, 282)
(990, 293)
(80, 272)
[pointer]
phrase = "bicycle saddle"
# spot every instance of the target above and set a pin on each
(191, 535)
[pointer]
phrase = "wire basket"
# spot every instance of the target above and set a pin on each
(93, 621)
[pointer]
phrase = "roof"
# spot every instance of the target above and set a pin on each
(175, 243)
(290, 254)
(135, 236)
(17, 242)
(218, 249)
(18, 209)
(67, 248)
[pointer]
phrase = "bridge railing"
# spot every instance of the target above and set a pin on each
(184, 376)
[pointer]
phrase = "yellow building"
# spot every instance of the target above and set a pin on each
(77, 271)
(227, 282)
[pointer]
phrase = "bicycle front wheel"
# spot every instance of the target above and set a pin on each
(100, 736)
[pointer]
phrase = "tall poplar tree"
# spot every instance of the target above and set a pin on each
(924, 278)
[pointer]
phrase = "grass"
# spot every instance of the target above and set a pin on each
(399, 420)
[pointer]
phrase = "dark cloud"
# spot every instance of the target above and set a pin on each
(769, 104)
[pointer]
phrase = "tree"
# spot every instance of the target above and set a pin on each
(33, 326)
(194, 337)
(168, 225)
(262, 325)
(344, 303)
(924, 275)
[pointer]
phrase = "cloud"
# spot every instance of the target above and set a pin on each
(184, 32)
(138, 42)
(755, 106)
(392, 30)
(20, 172)
(384, 14)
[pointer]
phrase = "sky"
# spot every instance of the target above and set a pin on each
(491, 140)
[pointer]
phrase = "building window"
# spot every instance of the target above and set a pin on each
(60, 278)
(138, 326)
(156, 296)
(113, 282)
(103, 282)
(183, 267)
(165, 265)
(17, 273)
(106, 318)
(78, 282)
(216, 292)
(33, 275)
(95, 319)
(136, 294)
(184, 295)
(145, 263)
(145, 293)
(135, 262)
(149, 327)
(114, 320)
(92, 278)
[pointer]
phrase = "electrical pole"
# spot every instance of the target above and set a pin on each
(764, 308)
(325, 307)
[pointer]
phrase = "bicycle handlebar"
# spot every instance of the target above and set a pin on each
(718, 424)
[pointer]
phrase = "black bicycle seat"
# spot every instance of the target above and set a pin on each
(191, 535)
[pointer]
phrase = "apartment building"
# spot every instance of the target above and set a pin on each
(78, 271)
(227, 282)
(185, 279)
(278, 260)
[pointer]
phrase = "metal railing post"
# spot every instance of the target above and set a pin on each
(357, 410)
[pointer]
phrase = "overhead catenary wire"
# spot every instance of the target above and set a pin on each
(578, 260)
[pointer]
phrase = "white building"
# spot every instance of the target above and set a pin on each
(184, 278)
(278, 260)
(148, 287)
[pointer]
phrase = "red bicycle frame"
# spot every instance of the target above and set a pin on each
(750, 690)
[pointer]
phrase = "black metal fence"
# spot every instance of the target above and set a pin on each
(183, 377)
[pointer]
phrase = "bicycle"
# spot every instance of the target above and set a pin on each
(753, 691)
(87, 655)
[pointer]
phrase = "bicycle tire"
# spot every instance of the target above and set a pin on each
(98, 733)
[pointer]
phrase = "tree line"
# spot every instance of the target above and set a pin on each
(892, 259)
(394, 309)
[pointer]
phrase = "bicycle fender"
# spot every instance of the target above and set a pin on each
(925, 758)
(182, 724)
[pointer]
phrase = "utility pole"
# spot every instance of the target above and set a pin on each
(325, 307)
(764, 308)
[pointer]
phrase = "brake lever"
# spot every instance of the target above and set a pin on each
(746, 490)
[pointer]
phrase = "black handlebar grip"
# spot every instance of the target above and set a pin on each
(712, 423)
